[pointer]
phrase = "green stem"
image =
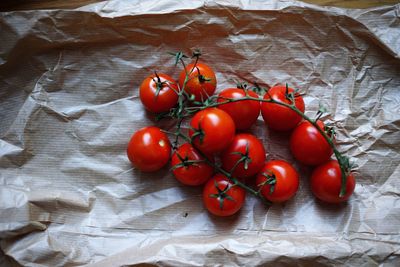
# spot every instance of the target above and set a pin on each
(338, 155)
(188, 111)
(227, 174)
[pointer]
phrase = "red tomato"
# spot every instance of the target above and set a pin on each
(149, 149)
(278, 117)
(201, 82)
(195, 173)
(326, 182)
(244, 113)
(237, 151)
(308, 146)
(163, 100)
(221, 197)
(282, 183)
(214, 128)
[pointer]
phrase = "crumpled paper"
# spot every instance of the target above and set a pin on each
(69, 104)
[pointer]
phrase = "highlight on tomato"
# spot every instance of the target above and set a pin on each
(278, 117)
(149, 149)
(308, 145)
(326, 181)
(278, 181)
(244, 112)
(158, 93)
(189, 167)
(244, 157)
(212, 130)
(221, 197)
(201, 82)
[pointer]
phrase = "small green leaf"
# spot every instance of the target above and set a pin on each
(178, 56)
(271, 189)
(230, 198)
(221, 203)
(321, 110)
(271, 181)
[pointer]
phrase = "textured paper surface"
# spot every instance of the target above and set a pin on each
(69, 104)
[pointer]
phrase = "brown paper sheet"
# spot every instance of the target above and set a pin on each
(69, 104)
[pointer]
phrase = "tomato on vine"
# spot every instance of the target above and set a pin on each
(326, 182)
(278, 117)
(189, 167)
(201, 80)
(278, 181)
(308, 145)
(221, 197)
(244, 157)
(244, 113)
(158, 93)
(211, 130)
(149, 149)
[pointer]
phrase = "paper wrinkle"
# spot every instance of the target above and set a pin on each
(69, 105)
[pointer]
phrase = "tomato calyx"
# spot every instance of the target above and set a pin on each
(242, 85)
(346, 167)
(291, 96)
(271, 180)
(222, 194)
(159, 84)
(259, 90)
(244, 157)
(202, 78)
(186, 162)
(198, 133)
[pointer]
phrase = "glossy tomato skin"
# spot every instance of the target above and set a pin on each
(308, 146)
(218, 128)
(201, 83)
(167, 97)
(287, 181)
(149, 149)
(278, 117)
(244, 113)
(326, 182)
(230, 206)
(195, 174)
(256, 153)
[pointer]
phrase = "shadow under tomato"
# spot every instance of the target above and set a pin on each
(165, 123)
(331, 208)
(154, 176)
(227, 223)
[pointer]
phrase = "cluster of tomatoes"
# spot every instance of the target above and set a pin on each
(220, 152)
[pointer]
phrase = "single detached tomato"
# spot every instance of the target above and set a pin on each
(158, 93)
(308, 146)
(149, 149)
(221, 197)
(278, 117)
(212, 130)
(326, 182)
(201, 81)
(245, 112)
(189, 167)
(278, 181)
(245, 156)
